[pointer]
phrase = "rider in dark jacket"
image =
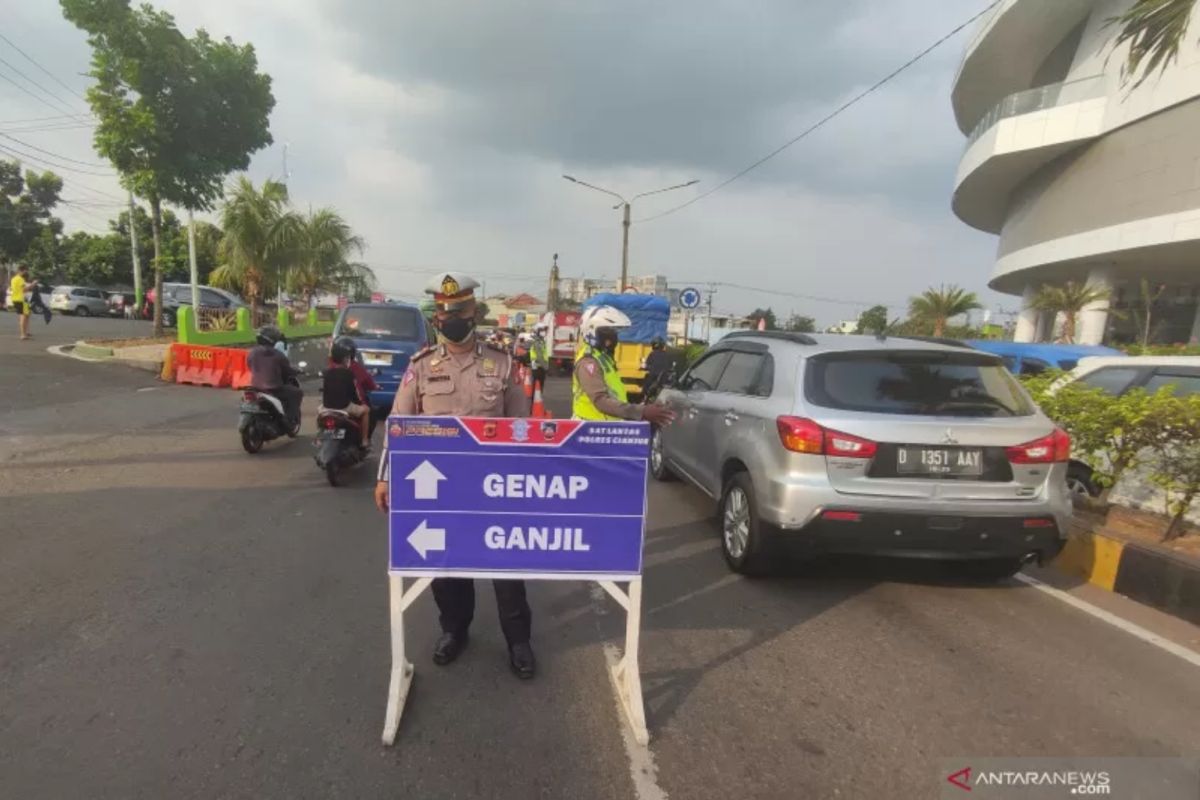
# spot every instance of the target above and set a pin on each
(272, 373)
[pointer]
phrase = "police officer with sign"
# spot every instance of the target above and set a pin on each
(599, 392)
(464, 376)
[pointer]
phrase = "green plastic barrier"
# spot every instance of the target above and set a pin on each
(243, 333)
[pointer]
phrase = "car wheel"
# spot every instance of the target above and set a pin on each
(1080, 481)
(83, 311)
(658, 461)
(252, 439)
(742, 532)
(992, 569)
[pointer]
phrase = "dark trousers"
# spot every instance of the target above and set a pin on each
(455, 598)
(539, 377)
(291, 397)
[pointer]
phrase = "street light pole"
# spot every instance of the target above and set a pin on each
(626, 206)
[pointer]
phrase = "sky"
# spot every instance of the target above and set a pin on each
(441, 132)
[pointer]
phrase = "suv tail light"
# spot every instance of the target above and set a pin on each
(1052, 449)
(805, 436)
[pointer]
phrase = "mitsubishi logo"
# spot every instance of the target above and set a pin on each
(948, 438)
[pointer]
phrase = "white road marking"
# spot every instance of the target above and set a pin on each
(642, 769)
(1190, 656)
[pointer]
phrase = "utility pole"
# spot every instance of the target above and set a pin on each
(195, 271)
(708, 319)
(624, 251)
(552, 294)
(137, 264)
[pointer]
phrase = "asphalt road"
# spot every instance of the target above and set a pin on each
(183, 620)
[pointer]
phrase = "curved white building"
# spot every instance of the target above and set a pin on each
(1082, 176)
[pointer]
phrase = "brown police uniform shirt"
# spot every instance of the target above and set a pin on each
(483, 382)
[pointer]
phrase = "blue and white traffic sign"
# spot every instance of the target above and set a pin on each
(528, 498)
(689, 298)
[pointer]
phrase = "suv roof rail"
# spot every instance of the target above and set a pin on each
(787, 336)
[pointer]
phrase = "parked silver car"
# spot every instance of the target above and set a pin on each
(853, 444)
(83, 301)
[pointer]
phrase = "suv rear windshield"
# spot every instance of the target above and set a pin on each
(931, 383)
(382, 322)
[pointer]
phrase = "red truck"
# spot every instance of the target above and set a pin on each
(562, 333)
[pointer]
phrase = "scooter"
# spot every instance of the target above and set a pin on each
(263, 419)
(338, 443)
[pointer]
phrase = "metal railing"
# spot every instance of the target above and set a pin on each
(1038, 99)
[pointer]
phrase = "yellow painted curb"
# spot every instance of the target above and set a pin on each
(1093, 557)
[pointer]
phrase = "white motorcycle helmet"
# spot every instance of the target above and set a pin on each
(599, 317)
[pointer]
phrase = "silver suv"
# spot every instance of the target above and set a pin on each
(853, 444)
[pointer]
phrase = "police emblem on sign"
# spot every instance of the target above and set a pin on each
(549, 431)
(489, 430)
(520, 430)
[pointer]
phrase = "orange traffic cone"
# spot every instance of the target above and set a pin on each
(539, 406)
(528, 381)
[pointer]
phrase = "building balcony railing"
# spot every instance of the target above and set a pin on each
(1038, 99)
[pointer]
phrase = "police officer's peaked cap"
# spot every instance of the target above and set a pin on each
(452, 290)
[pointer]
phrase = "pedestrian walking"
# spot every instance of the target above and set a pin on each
(465, 377)
(16, 293)
(599, 392)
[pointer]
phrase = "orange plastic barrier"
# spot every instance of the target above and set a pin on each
(204, 366)
(239, 373)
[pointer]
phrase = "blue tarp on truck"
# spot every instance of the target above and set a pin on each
(648, 313)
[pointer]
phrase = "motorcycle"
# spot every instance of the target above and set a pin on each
(263, 418)
(338, 443)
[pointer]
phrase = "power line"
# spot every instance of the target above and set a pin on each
(827, 118)
(37, 119)
(57, 99)
(13, 151)
(56, 155)
(31, 60)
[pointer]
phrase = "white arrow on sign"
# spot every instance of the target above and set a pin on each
(424, 539)
(425, 478)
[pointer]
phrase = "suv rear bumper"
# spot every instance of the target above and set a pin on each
(908, 535)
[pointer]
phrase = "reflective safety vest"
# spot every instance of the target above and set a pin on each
(537, 354)
(583, 407)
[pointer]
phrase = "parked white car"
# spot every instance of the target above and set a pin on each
(82, 301)
(1117, 375)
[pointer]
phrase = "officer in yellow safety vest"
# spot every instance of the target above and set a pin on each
(599, 392)
(539, 358)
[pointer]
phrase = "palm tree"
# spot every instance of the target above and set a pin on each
(941, 305)
(320, 246)
(254, 246)
(1069, 300)
(1154, 30)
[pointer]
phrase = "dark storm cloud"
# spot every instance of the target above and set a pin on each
(670, 85)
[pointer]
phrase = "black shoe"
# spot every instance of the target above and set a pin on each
(448, 648)
(520, 658)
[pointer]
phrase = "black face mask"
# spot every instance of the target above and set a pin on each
(456, 329)
(607, 342)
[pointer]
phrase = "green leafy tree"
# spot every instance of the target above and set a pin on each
(1154, 31)
(801, 324)
(767, 314)
(874, 320)
(26, 202)
(95, 260)
(1176, 464)
(936, 307)
(258, 241)
(1070, 300)
(175, 115)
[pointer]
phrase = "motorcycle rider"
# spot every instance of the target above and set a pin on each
(272, 373)
(658, 368)
(340, 390)
(365, 383)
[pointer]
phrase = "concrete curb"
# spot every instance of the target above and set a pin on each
(1150, 575)
(86, 350)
